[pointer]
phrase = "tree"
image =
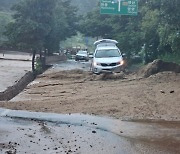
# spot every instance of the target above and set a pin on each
(150, 22)
(156, 28)
(64, 25)
(128, 33)
(126, 30)
(85, 6)
(5, 5)
(161, 27)
(5, 18)
(170, 26)
(32, 24)
(95, 25)
(41, 24)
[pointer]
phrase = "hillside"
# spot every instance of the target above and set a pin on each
(85, 6)
(5, 5)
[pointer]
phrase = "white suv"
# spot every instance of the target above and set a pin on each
(107, 57)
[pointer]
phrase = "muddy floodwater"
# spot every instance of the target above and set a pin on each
(13, 67)
(40, 133)
(64, 89)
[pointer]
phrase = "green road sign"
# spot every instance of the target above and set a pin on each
(122, 7)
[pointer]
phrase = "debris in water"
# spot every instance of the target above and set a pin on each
(163, 92)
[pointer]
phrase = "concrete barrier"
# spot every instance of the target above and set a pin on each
(14, 90)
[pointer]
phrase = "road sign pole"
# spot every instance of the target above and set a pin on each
(119, 6)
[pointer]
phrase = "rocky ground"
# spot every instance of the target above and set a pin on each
(124, 96)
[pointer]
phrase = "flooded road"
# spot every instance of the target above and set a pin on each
(72, 64)
(49, 133)
(31, 132)
(13, 66)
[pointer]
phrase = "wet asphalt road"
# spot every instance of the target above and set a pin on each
(41, 133)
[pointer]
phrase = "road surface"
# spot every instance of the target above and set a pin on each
(41, 133)
(70, 93)
(71, 65)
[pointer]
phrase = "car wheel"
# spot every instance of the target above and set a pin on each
(95, 72)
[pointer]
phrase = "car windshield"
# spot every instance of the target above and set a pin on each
(107, 53)
(106, 44)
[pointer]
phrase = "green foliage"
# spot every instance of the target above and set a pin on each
(38, 66)
(41, 24)
(156, 28)
(44, 23)
(85, 6)
(64, 25)
(32, 23)
(169, 57)
(5, 18)
(5, 5)
(95, 25)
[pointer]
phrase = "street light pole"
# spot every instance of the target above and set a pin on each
(119, 5)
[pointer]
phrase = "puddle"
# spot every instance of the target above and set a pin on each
(63, 133)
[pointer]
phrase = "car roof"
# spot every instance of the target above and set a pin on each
(82, 51)
(105, 41)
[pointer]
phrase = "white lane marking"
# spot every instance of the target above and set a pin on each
(4, 113)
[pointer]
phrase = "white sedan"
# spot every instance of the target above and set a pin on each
(107, 59)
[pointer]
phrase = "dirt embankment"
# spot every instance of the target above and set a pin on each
(126, 96)
(158, 66)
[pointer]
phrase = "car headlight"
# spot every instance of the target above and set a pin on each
(96, 63)
(121, 62)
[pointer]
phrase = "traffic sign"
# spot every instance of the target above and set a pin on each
(122, 7)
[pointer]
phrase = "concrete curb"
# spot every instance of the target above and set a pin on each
(74, 119)
(15, 59)
(114, 126)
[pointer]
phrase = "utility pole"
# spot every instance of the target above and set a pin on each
(119, 5)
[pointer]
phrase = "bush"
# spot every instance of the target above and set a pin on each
(170, 57)
(38, 66)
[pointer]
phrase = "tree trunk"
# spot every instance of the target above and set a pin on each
(33, 61)
(42, 59)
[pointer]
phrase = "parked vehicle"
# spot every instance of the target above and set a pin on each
(90, 55)
(107, 57)
(82, 55)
